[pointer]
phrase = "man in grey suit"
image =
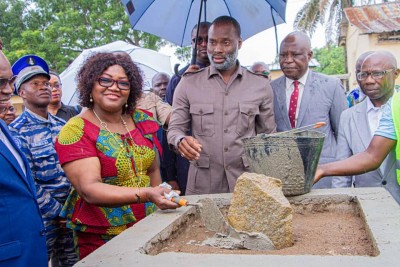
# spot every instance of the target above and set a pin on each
(303, 97)
(359, 123)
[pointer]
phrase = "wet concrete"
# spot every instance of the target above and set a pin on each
(134, 246)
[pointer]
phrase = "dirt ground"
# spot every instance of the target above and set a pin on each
(316, 233)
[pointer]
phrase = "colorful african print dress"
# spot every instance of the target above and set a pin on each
(122, 166)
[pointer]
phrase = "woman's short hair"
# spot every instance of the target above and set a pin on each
(95, 65)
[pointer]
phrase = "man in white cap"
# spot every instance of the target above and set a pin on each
(35, 132)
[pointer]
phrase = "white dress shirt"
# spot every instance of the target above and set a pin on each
(290, 89)
(374, 115)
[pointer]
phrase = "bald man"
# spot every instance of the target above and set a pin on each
(356, 96)
(260, 67)
(303, 97)
(376, 78)
(159, 84)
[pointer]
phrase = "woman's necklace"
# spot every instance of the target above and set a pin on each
(104, 125)
(130, 172)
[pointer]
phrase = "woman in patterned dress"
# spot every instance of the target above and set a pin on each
(108, 154)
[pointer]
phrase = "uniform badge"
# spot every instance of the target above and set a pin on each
(31, 61)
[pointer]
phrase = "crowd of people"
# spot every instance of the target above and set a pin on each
(80, 175)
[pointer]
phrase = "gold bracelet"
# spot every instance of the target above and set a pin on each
(138, 200)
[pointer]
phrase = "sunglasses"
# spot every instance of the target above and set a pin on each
(5, 81)
(200, 40)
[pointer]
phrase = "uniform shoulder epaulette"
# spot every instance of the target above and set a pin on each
(19, 122)
(193, 72)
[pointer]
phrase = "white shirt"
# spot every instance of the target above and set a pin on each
(374, 115)
(290, 89)
(10, 147)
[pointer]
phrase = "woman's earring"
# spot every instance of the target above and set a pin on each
(126, 105)
(91, 98)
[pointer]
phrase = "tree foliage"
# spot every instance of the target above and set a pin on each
(59, 30)
(326, 12)
(184, 54)
(331, 60)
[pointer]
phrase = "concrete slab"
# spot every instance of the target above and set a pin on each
(381, 213)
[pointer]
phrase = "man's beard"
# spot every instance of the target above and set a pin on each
(230, 61)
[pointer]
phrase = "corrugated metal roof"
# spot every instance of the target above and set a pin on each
(375, 18)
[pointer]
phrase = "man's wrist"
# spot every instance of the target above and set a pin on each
(179, 141)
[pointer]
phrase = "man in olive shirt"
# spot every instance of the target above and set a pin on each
(221, 103)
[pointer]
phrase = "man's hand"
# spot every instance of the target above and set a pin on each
(319, 174)
(190, 148)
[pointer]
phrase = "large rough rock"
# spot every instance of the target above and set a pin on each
(258, 205)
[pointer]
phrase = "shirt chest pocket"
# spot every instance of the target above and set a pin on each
(246, 118)
(44, 162)
(202, 119)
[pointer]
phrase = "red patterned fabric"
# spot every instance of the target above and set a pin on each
(79, 139)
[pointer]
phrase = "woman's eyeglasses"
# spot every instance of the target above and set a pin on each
(55, 85)
(106, 82)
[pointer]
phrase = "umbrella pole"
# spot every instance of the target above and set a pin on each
(194, 51)
(276, 31)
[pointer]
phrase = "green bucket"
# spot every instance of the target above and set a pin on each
(291, 157)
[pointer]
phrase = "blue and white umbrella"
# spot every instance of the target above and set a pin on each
(173, 20)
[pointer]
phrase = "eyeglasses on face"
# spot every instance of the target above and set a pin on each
(5, 81)
(56, 85)
(38, 85)
(107, 82)
(11, 109)
(361, 76)
(200, 40)
(8, 109)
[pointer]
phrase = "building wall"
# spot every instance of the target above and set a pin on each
(358, 43)
(275, 74)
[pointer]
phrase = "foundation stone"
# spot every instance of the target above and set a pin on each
(258, 205)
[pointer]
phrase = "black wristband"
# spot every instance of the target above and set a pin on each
(138, 199)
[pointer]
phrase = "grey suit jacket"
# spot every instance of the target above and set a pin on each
(324, 100)
(354, 137)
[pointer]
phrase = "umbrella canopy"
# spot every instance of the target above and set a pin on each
(173, 20)
(149, 61)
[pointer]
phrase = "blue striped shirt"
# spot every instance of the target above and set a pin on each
(36, 137)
